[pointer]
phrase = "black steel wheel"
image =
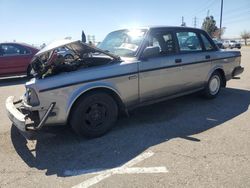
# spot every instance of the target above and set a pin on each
(94, 114)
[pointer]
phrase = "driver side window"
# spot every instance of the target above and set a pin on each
(164, 40)
(188, 42)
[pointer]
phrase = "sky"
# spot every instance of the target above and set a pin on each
(43, 21)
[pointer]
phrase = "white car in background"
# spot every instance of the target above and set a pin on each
(231, 44)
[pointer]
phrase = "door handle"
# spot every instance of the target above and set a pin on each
(207, 56)
(178, 60)
(132, 77)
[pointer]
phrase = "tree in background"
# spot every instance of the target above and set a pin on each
(245, 35)
(209, 25)
(219, 32)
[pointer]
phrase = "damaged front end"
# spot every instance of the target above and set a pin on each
(29, 114)
(49, 61)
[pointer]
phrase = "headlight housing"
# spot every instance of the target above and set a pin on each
(31, 97)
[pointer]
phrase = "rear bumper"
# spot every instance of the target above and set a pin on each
(237, 71)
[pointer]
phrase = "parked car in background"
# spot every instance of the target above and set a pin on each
(15, 59)
(130, 68)
(219, 43)
(66, 53)
(231, 44)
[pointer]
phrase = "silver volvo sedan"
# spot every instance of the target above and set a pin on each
(130, 68)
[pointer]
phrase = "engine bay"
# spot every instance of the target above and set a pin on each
(54, 63)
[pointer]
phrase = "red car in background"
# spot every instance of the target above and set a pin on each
(15, 59)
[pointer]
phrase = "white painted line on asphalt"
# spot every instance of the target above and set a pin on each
(142, 170)
(124, 169)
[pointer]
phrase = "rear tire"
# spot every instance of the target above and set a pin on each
(213, 85)
(94, 114)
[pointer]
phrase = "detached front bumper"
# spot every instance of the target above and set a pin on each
(17, 117)
(20, 119)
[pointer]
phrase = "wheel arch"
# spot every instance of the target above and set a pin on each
(107, 89)
(222, 73)
(223, 76)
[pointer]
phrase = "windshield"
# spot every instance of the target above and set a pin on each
(123, 42)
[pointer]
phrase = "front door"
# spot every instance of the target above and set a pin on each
(160, 76)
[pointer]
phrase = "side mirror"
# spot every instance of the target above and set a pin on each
(150, 51)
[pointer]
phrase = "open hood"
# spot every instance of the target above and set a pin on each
(48, 62)
(77, 46)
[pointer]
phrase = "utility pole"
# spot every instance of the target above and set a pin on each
(208, 13)
(195, 22)
(183, 24)
(221, 11)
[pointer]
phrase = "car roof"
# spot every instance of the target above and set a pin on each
(163, 27)
(172, 27)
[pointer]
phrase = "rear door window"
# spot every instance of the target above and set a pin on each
(188, 42)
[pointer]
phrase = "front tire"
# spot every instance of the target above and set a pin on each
(213, 85)
(94, 114)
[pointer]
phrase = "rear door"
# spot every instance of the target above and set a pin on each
(14, 59)
(196, 53)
